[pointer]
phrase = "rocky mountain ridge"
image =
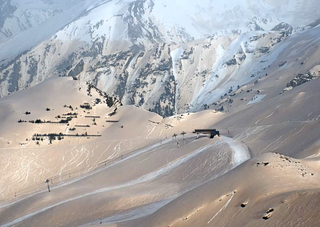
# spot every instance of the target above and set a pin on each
(133, 51)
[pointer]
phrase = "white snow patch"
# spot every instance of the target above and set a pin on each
(256, 99)
(240, 151)
(176, 55)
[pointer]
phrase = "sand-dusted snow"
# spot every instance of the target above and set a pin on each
(135, 173)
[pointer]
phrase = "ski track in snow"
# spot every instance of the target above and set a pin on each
(267, 116)
(141, 151)
(240, 155)
(151, 129)
(133, 214)
(289, 136)
(152, 208)
(224, 207)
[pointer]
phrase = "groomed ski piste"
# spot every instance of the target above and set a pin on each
(189, 168)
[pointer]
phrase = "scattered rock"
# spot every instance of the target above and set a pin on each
(263, 163)
(268, 214)
(282, 63)
(243, 205)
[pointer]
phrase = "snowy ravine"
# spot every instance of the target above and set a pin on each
(168, 57)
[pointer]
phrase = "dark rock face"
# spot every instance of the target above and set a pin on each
(133, 85)
(14, 77)
(187, 54)
(77, 70)
(300, 79)
(243, 57)
(6, 10)
(33, 70)
(255, 38)
(4, 77)
(121, 88)
(66, 64)
(168, 98)
(96, 48)
(282, 27)
(231, 62)
(263, 50)
(254, 26)
(137, 27)
(285, 29)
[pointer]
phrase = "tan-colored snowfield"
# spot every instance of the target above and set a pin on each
(128, 170)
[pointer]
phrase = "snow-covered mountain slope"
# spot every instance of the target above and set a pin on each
(23, 24)
(165, 56)
(253, 65)
(207, 16)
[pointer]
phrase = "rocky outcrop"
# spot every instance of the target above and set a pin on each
(77, 69)
(300, 79)
(6, 10)
(284, 28)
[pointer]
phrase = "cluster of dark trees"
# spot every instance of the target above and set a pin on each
(70, 107)
(86, 106)
(70, 114)
(110, 101)
(58, 136)
(39, 121)
(51, 136)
